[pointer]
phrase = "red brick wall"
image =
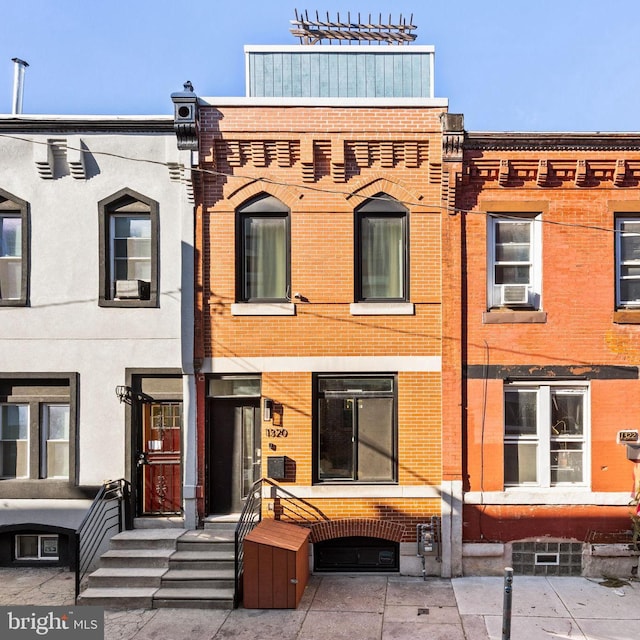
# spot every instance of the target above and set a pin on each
(578, 279)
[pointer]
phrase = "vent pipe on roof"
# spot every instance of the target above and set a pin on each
(18, 84)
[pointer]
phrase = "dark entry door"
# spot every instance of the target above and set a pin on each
(161, 461)
(234, 452)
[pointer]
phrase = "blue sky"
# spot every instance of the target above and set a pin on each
(507, 65)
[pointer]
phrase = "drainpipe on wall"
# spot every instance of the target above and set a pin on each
(18, 84)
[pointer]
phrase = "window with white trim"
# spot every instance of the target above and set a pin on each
(546, 429)
(515, 261)
(628, 261)
(37, 547)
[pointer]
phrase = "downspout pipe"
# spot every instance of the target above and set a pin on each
(18, 84)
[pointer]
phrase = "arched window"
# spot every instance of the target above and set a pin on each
(128, 250)
(263, 256)
(381, 251)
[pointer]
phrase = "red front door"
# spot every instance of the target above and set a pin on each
(162, 468)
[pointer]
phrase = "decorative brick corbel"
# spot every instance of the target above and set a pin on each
(234, 157)
(386, 155)
(361, 151)
(307, 159)
(581, 173)
(75, 158)
(338, 166)
(543, 173)
(283, 153)
(620, 173)
(44, 160)
(411, 155)
(258, 153)
(452, 136)
(503, 173)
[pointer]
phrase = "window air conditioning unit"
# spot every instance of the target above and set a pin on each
(131, 290)
(514, 294)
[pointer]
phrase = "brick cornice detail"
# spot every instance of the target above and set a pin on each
(526, 141)
(553, 172)
(347, 528)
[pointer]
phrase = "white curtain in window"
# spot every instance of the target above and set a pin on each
(382, 258)
(265, 258)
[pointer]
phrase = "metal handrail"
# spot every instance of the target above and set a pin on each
(110, 513)
(249, 517)
(286, 505)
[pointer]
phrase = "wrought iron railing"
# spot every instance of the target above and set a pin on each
(286, 506)
(110, 513)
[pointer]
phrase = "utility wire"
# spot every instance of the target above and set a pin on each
(347, 194)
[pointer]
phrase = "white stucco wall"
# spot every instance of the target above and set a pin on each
(64, 329)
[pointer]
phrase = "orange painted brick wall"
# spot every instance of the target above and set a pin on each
(250, 150)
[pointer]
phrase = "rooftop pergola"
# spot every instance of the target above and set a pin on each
(312, 31)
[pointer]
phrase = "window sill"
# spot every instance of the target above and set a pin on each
(503, 316)
(263, 309)
(341, 491)
(129, 304)
(626, 316)
(382, 309)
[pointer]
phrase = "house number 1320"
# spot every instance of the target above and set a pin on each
(276, 433)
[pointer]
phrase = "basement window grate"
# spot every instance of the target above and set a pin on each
(547, 559)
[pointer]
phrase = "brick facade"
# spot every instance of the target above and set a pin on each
(577, 185)
(321, 163)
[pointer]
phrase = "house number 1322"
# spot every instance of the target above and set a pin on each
(276, 433)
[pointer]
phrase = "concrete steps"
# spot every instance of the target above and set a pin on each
(167, 567)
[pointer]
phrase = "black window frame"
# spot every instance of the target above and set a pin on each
(318, 397)
(262, 206)
(12, 206)
(127, 201)
(380, 206)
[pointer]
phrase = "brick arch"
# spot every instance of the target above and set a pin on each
(362, 527)
(288, 195)
(382, 184)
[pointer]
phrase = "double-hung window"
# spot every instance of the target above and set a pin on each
(14, 440)
(628, 262)
(37, 427)
(129, 250)
(263, 251)
(546, 430)
(515, 261)
(381, 251)
(13, 251)
(356, 429)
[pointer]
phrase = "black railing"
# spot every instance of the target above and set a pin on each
(249, 517)
(286, 506)
(110, 513)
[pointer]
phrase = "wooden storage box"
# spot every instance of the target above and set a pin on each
(276, 565)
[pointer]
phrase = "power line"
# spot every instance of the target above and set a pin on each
(347, 194)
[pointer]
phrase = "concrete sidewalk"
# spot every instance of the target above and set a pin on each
(373, 607)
